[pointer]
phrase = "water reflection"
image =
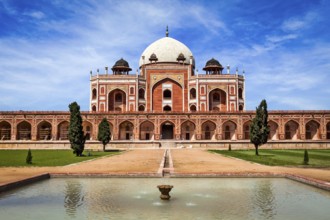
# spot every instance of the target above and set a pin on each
(73, 197)
(264, 199)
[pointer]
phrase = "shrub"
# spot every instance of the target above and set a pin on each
(229, 147)
(306, 158)
(29, 157)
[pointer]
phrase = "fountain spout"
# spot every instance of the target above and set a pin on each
(165, 190)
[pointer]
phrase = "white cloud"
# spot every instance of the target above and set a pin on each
(278, 38)
(35, 14)
(298, 23)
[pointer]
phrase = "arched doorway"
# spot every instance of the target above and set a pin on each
(272, 130)
(217, 100)
(208, 130)
(146, 131)
(44, 131)
(63, 131)
(24, 131)
(126, 131)
(312, 130)
(187, 130)
(167, 130)
(117, 100)
(291, 130)
(229, 130)
(246, 130)
(87, 128)
(5, 131)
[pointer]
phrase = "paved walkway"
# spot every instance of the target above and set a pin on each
(185, 161)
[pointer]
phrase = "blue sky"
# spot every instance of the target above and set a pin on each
(47, 48)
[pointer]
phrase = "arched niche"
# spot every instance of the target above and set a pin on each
(229, 130)
(5, 131)
(44, 131)
(24, 131)
(208, 130)
(217, 100)
(147, 130)
(188, 130)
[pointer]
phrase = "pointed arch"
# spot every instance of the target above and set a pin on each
(5, 131)
(208, 130)
(167, 130)
(126, 130)
(167, 108)
(188, 130)
(24, 131)
(166, 92)
(273, 130)
(147, 130)
(88, 129)
(229, 130)
(240, 93)
(63, 130)
(44, 131)
(292, 130)
(217, 100)
(312, 130)
(193, 108)
(117, 100)
(246, 130)
(94, 94)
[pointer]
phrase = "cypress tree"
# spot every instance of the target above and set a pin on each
(104, 132)
(76, 133)
(29, 157)
(259, 129)
(306, 158)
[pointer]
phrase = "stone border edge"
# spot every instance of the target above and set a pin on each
(16, 184)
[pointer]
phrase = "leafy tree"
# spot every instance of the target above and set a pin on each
(76, 133)
(104, 132)
(29, 157)
(306, 157)
(259, 129)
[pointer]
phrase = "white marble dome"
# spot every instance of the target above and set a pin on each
(166, 49)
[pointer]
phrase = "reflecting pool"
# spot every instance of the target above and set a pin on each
(191, 198)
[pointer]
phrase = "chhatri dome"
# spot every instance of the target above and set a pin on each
(166, 50)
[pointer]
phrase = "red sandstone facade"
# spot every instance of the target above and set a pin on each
(166, 99)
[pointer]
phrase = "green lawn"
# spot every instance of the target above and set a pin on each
(46, 157)
(317, 158)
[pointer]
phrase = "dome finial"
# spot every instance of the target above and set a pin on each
(167, 31)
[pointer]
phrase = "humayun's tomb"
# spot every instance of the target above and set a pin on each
(166, 103)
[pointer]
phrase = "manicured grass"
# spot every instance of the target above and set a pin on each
(317, 158)
(45, 157)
